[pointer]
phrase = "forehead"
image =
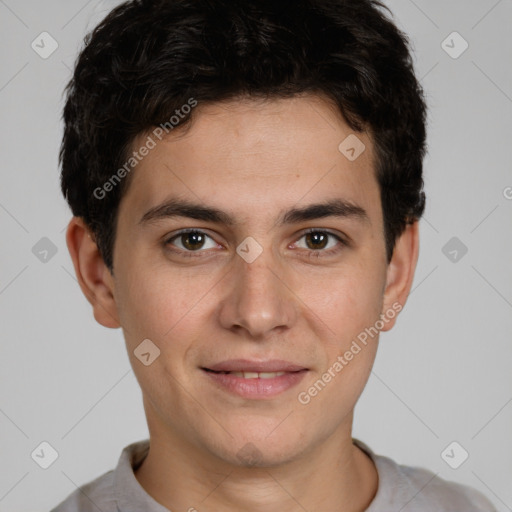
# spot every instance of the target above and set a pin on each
(256, 157)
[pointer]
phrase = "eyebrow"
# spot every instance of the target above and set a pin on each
(183, 208)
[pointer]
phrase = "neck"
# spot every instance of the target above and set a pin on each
(335, 476)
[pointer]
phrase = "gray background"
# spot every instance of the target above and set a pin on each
(442, 374)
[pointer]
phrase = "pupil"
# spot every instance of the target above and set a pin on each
(316, 237)
(196, 237)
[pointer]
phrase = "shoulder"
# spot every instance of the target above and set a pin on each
(416, 489)
(96, 495)
(114, 490)
(428, 491)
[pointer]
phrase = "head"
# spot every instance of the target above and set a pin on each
(240, 116)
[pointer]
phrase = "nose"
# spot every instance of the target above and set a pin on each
(259, 297)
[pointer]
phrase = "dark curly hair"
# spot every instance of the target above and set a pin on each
(148, 58)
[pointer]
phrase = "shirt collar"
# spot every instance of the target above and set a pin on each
(130, 496)
(389, 490)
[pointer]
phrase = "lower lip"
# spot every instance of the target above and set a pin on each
(256, 388)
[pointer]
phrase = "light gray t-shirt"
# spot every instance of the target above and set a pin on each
(401, 488)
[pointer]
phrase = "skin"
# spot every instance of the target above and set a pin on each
(255, 160)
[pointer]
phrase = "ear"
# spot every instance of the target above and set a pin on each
(400, 274)
(93, 275)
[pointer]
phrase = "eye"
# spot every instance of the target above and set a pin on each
(319, 241)
(193, 242)
(190, 240)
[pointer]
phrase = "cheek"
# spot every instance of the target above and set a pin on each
(347, 300)
(156, 303)
(162, 307)
(350, 308)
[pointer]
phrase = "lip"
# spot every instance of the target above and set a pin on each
(247, 365)
(256, 388)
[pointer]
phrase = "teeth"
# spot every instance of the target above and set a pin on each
(256, 375)
(250, 375)
(270, 375)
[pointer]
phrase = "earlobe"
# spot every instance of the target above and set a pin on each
(92, 274)
(400, 273)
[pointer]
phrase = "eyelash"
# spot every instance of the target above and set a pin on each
(319, 253)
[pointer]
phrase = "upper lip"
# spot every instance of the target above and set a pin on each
(246, 365)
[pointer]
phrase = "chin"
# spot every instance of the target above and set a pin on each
(261, 451)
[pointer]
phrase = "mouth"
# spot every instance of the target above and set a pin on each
(255, 379)
(250, 375)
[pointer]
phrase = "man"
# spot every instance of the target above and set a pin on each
(246, 184)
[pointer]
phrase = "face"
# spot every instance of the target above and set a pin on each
(262, 282)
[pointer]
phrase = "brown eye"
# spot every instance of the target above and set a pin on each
(191, 241)
(318, 243)
(316, 240)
